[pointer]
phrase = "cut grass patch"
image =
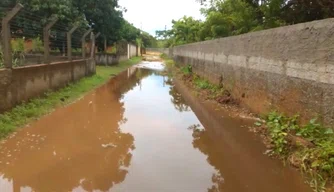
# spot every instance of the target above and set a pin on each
(35, 108)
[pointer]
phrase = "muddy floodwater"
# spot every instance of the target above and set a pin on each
(141, 132)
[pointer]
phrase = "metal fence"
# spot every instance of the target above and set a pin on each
(29, 39)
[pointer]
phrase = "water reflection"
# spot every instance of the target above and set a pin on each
(204, 143)
(164, 159)
(236, 154)
(79, 147)
(130, 135)
(177, 100)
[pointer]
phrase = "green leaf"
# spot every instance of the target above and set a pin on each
(329, 131)
(326, 167)
(258, 124)
(312, 121)
(315, 164)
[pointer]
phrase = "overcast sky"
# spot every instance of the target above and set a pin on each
(153, 15)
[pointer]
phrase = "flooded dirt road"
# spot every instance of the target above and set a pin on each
(138, 133)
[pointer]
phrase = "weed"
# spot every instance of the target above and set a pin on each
(279, 126)
(214, 90)
(316, 158)
(169, 62)
(164, 56)
(202, 84)
(37, 45)
(187, 70)
(18, 45)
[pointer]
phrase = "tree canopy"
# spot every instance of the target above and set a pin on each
(232, 17)
(104, 16)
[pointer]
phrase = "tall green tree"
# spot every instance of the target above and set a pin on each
(233, 17)
(184, 30)
(230, 17)
(104, 16)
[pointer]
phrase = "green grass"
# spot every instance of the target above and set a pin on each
(164, 56)
(169, 62)
(35, 108)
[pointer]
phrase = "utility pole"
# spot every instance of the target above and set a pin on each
(165, 32)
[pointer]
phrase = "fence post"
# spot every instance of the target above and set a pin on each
(83, 43)
(97, 35)
(69, 42)
(105, 44)
(6, 37)
(128, 51)
(46, 36)
(92, 50)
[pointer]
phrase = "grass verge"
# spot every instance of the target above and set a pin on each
(203, 86)
(35, 108)
(210, 91)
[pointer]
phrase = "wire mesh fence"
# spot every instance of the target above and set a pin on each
(30, 39)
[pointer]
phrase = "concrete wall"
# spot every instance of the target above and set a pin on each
(33, 59)
(109, 59)
(132, 51)
(23, 83)
(290, 69)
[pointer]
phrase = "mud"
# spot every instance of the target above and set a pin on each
(152, 56)
(141, 132)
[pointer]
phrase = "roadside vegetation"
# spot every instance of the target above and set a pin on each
(225, 18)
(35, 108)
(169, 62)
(208, 90)
(308, 147)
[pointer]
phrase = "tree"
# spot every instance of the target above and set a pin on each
(128, 32)
(148, 40)
(185, 30)
(233, 17)
(104, 16)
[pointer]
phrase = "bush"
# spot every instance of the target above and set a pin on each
(187, 70)
(18, 45)
(312, 151)
(37, 45)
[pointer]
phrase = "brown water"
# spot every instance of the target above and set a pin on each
(136, 134)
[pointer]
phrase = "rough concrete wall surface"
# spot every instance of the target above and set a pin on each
(109, 59)
(290, 69)
(122, 48)
(132, 51)
(23, 83)
(106, 59)
(123, 58)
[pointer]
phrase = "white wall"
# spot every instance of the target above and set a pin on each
(132, 51)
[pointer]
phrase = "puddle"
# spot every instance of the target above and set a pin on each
(138, 133)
